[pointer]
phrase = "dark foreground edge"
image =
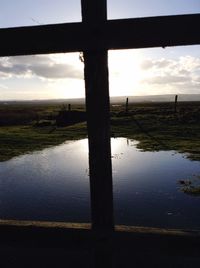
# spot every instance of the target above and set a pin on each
(50, 244)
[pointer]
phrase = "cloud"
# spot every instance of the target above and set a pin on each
(57, 71)
(167, 79)
(197, 79)
(182, 73)
(190, 63)
(17, 69)
(161, 63)
(42, 66)
(184, 64)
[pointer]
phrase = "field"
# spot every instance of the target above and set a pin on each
(158, 127)
(25, 127)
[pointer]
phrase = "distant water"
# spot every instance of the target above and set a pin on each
(53, 184)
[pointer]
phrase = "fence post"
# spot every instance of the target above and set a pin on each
(175, 104)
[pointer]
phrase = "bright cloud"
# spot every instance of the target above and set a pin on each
(45, 67)
(172, 75)
(41, 76)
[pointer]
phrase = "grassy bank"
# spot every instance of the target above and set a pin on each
(155, 125)
(17, 140)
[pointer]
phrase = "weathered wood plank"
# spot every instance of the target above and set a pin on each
(41, 39)
(153, 32)
(98, 123)
(87, 226)
(29, 245)
(94, 11)
(44, 224)
(112, 34)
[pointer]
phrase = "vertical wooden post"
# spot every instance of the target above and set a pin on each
(126, 110)
(94, 11)
(98, 123)
(97, 106)
(175, 103)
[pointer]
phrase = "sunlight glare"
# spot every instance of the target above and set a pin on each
(125, 72)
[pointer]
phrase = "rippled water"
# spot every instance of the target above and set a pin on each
(53, 184)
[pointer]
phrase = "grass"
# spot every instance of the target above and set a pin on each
(154, 125)
(195, 191)
(17, 140)
(190, 186)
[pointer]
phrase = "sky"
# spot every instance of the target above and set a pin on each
(172, 70)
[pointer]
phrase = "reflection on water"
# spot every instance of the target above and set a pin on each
(146, 188)
(53, 184)
(49, 185)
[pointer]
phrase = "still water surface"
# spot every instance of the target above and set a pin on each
(53, 184)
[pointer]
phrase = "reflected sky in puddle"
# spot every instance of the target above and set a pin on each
(53, 184)
(146, 189)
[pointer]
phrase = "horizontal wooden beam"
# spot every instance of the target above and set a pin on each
(44, 39)
(26, 244)
(44, 224)
(27, 224)
(153, 32)
(113, 34)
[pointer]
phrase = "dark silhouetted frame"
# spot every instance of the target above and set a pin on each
(94, 36)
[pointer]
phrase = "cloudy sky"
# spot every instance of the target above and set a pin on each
(131, 72)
